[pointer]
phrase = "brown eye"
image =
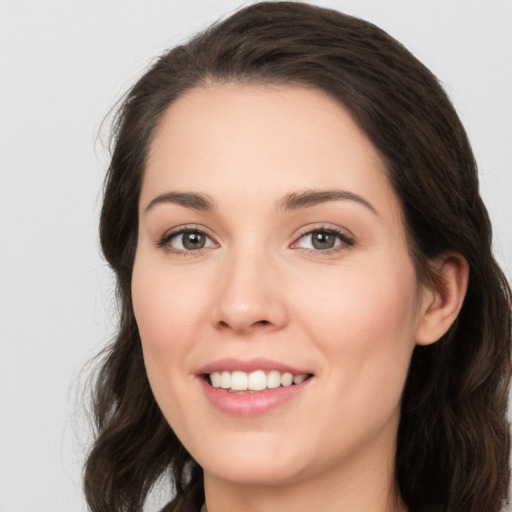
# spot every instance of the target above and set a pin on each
(322, 240)
(187, 241)
(192, 241)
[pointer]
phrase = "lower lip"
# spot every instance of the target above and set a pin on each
(251, 404)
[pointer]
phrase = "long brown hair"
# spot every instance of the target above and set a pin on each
(453, 439)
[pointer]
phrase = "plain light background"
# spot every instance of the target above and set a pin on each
(62, 67)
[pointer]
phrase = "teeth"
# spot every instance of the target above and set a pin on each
(273, 379)
(286, 379)
(225, 380)
(216, 379)
(239, 381)
(254, 381)
(297, 379)
(257, 381)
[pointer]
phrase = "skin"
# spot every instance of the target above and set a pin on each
(350, 315)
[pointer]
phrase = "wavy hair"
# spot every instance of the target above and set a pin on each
(453, 439)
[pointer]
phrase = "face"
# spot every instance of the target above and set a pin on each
(272, 254)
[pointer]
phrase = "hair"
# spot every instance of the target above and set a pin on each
(453, 439)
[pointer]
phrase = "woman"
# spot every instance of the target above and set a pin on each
(311, 316)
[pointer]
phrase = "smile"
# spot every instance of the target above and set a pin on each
(252, 388)
(258, 380)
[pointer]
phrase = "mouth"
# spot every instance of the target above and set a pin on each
(252, 387)
(255, 381)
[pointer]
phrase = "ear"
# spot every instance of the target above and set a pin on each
(443, 299)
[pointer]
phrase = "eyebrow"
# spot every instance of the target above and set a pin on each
(291, 201)
(191, 200)
(309, 198)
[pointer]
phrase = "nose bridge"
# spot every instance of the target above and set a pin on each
(248, 294)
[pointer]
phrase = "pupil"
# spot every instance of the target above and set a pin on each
(323, 240)
(193, 241)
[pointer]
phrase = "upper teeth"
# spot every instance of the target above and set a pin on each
(254, 381)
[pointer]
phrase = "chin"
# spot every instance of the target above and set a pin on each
(255, 463)
(263, 473)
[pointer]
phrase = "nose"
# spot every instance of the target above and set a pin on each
(250, 295)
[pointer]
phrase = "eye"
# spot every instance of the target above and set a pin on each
(186, 241)
(323, 240)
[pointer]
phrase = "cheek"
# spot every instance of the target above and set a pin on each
(165, 315)
(364, 322)
(166, 309)
(353, 301)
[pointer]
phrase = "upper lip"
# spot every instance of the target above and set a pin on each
(248, 366)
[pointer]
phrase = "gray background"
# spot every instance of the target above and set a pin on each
(63, 64)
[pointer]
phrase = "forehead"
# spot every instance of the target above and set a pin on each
(243, 141)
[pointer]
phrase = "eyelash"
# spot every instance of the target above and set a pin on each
(346, 241)
(168, 236)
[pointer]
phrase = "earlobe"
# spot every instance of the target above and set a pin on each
(443, 299)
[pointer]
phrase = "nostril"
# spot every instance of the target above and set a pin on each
(242, 326)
